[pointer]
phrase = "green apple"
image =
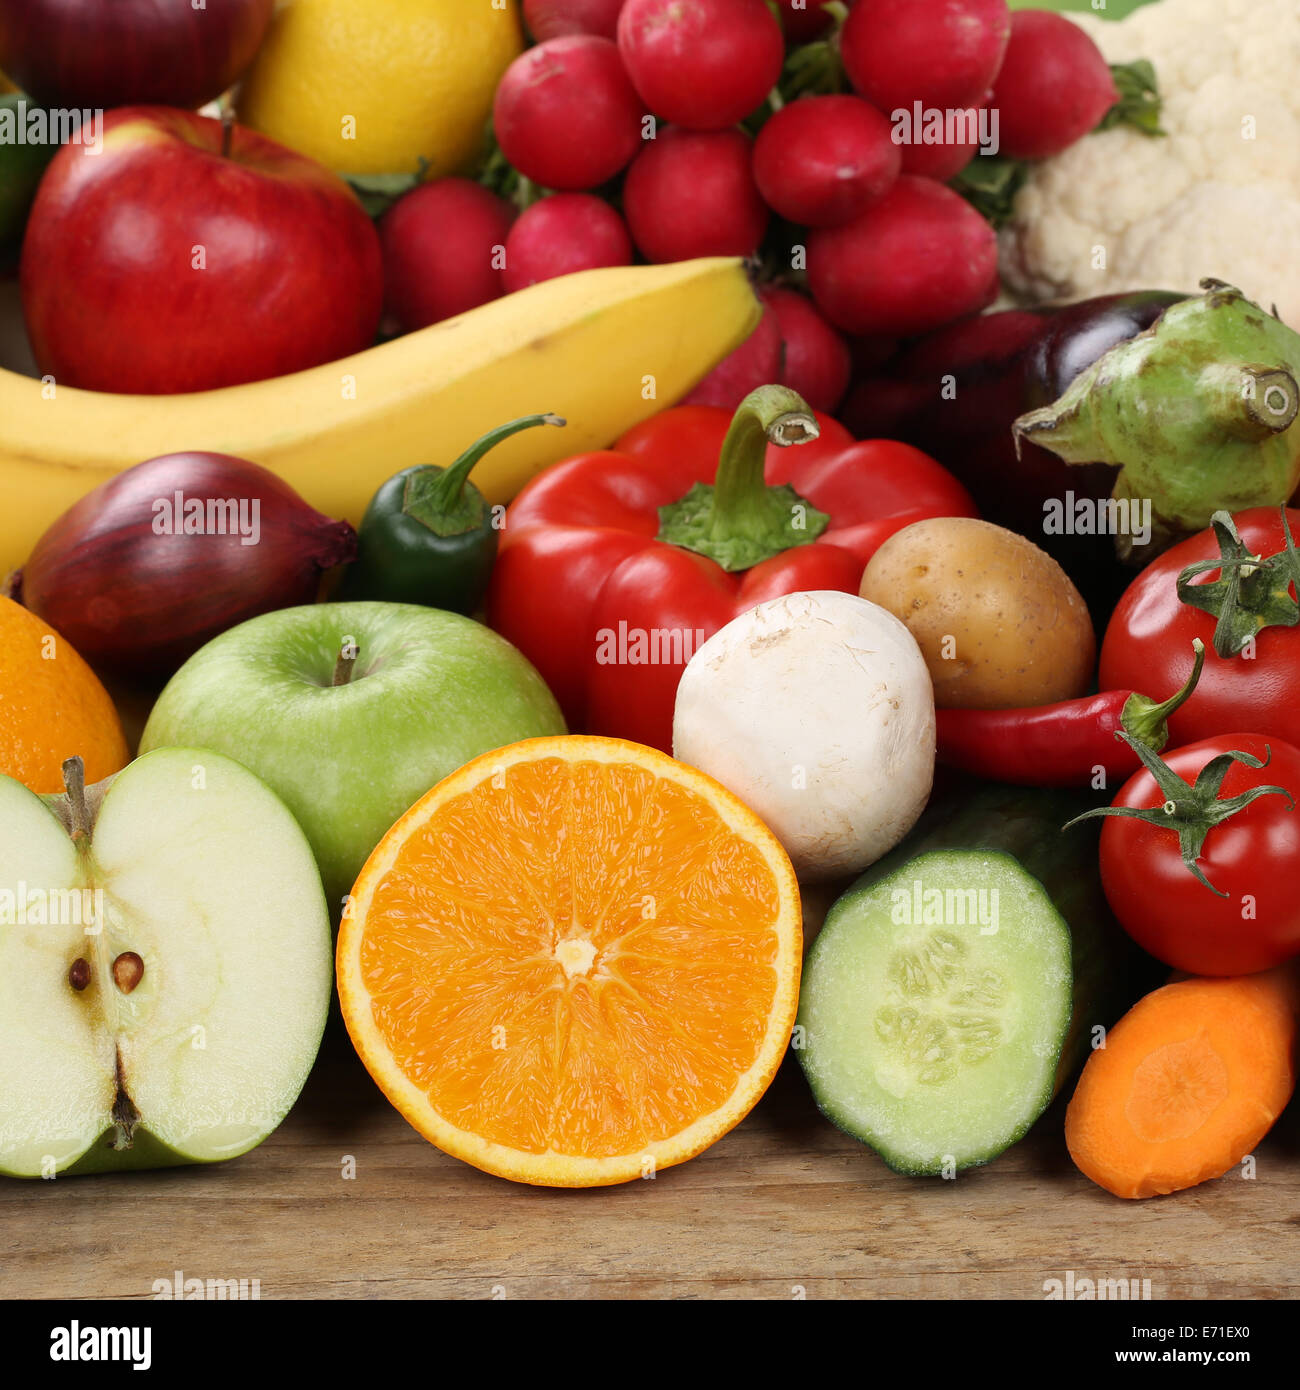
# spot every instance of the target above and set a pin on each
(165, 967)
(352, 711)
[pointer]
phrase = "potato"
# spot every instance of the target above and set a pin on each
(997, 619)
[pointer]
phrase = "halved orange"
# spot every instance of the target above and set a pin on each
(574, 962)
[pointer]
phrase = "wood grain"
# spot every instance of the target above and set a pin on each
(785, 1206)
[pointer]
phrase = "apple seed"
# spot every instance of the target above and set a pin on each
(128, 971)
(79, 974)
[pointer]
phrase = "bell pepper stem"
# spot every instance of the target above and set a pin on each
(740, 521)
(772, 413)
(1146, 720)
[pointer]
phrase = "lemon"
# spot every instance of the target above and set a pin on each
(379, 86)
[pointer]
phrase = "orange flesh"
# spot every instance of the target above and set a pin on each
(574, 956)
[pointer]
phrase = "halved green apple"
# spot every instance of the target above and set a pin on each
(165, 966)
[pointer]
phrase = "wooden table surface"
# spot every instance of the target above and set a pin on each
(783, 1205)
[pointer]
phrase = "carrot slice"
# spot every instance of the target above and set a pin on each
(1189, 1081)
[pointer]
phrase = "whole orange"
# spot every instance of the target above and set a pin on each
(52, 707)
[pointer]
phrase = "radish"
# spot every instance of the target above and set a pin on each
(941, 161)
(562, 234)
(917, 259)
(870, 354)
(692, 193)
(755, 363)
(565, 114)
(816, 361)
(1053, 88)
(942, 53)
(823, 161)
(702, 64)
(803, 20)
(557, 19)
(442, 246)
(816, 709)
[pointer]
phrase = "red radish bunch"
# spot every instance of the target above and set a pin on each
(692, 193)
(919, 258)
(803, 20)
(823, 161)
(816, 143)
(561, 235)
(1053, 88)
(443, 246)
(702, 64)
(566, 115)
(942, 53)
(557, 19)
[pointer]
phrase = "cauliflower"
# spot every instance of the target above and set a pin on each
(1218, 197)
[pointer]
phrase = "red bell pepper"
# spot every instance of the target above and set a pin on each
(616, 566)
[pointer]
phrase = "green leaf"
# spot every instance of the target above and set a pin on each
(989, 183)
(1139, 99)
(378, 192)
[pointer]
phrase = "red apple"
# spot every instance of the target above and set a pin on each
(104, 53)
(184, 257)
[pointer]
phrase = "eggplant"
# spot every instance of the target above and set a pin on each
(958, 392)
(1166, 407)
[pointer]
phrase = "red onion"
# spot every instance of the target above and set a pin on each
(149, 566)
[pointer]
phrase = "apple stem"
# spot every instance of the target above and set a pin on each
(227, 129)
(74, 783)
(344, 665)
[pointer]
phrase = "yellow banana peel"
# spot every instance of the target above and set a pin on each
(605, 349)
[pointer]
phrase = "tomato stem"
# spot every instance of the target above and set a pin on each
(1191, 810)
(1251, 593)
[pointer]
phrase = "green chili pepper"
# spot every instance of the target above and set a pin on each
(428, 535)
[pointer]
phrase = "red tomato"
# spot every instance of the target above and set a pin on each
(1252, 857)
(1148, 644)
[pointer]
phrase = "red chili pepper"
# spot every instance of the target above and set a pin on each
(615, 567)
(1060, 745)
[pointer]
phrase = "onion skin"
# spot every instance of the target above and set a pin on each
(136, 599)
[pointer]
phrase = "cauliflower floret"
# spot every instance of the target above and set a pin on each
(1219, 196)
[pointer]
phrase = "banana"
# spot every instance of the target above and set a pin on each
(605, 349)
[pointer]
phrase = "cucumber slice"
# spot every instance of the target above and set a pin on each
(935, 1006)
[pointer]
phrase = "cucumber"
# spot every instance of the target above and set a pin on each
(952, 988)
